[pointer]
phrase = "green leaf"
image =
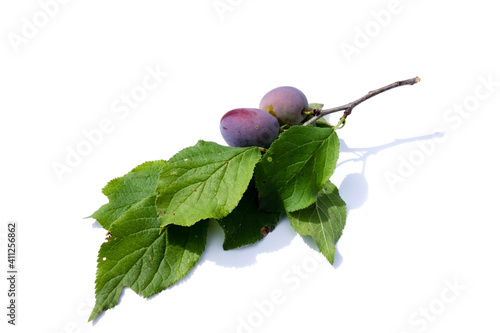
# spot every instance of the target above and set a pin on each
(204, 181)
(246, 224)
(139, 255)
(322, 122)
(126, 192)
(324, 220)
(317, 106)
(296, 167)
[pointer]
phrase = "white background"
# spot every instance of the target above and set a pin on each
(420, 177)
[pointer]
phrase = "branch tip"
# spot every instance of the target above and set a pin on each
(347, 108)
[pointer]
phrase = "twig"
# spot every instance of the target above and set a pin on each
(347, 108)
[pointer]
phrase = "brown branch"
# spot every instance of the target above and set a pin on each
(347, 108)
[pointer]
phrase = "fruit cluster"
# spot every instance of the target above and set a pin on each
(247, 127)
(158, 214)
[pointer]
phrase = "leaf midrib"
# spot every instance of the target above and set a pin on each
(313, 155)
(225, 163)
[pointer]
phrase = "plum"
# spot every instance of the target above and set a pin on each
(248, 127)
(286, 104)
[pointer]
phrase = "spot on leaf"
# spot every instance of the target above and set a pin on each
(265, 230)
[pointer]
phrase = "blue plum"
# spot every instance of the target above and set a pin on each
(286, 104)
(249, 127)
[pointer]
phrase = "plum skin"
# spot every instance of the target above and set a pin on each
(247, 127)
(285, 103)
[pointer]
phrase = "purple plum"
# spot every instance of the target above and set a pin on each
(249, 127)
(286, 104)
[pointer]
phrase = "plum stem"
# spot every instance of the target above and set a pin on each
(347, 108)
(340, 124)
